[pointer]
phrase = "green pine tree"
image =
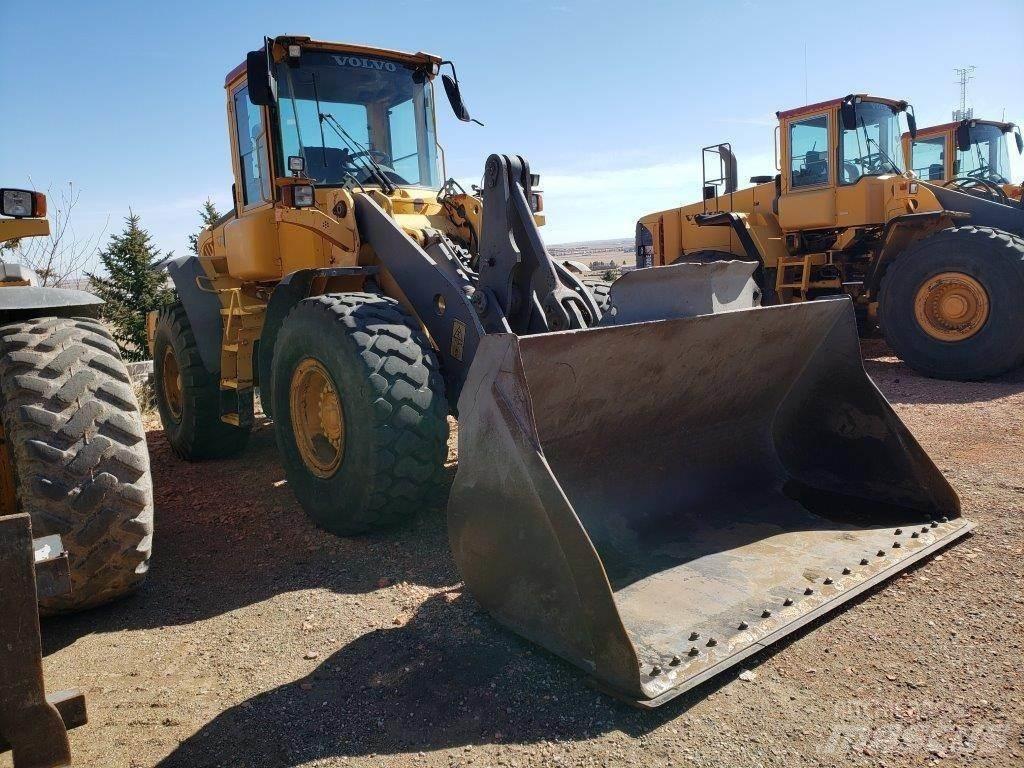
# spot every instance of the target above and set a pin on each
(132, 288)
(209, 214)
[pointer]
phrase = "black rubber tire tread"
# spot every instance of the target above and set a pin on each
(200, 434)
(600, 289)
(994, 258)
(81, 466)
(395, 411)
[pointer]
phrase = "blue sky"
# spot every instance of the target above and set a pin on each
(609, 101)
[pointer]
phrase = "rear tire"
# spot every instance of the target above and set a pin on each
(370, 362)
(990, 341)
(75, 453)
(189, 403)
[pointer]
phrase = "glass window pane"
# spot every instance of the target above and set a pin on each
(929, 158)
(873, 147)
(808, 152)
(251, 148)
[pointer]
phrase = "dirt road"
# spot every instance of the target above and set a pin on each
(261, 641)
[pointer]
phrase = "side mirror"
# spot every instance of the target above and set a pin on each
(1020, 141)
(963, 136)
(912, 125)
(848, 114)
(259, 72)
(451, 88)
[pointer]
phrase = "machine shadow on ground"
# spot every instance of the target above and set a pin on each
(903, 386)
(230, 534)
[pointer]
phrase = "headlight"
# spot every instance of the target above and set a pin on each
(18, 203)
(302, 195)
(536, 202)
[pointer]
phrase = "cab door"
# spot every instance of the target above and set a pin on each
(808, 178)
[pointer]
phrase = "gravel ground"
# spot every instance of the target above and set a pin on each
(261, 641)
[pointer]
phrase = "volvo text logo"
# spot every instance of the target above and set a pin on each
(356, 61)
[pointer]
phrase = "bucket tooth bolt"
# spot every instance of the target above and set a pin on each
(808, 591)
(743, 625)
(899, 532)
(934, 524)
(694, 651)
(694, 636)
(881, 553)
(864, 561)
(675, 662)
(924, 529)
(896, 545)
(847, 571)
(712, 642)
(765, 613)
(829, 579)
(788, 601)
(655, 670)
(944, 519)
(915, 535)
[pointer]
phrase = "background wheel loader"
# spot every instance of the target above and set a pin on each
(72, 447)
(939, 270)
(969, 155)
(633, 492)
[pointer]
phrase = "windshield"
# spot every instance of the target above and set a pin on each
(988, 157)
(374, 114)
(873, 147)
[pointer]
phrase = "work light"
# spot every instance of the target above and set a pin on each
(302, 195)
(18, 203)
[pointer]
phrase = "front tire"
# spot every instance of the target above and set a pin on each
(74, 454)
(952, 305)
(187, 395)
(360, 413)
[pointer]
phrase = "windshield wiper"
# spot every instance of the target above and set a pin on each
(878, 147)
(371, 166)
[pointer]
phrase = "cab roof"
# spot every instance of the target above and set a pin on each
(822, 105)
(935, 130)
(431, 61)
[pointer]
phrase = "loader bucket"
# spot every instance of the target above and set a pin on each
(656, 501)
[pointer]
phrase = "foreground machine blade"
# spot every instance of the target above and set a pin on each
(656, 501)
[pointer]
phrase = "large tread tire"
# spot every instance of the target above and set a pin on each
(393, 403)
(198, 433)
(995, 259)
(81, 468)
(600, 289)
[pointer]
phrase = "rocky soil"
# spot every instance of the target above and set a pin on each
(259, 640)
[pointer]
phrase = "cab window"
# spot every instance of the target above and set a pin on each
(808, 152)
(252, 148)
(929, 158)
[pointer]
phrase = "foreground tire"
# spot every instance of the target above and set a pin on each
(952, 306)
(74, 453)
(360, 411)
(600, 289)
(187, 395)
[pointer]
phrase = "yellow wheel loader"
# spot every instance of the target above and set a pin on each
(72, 445)
(633, 492)
(969, 155)
(940, 270)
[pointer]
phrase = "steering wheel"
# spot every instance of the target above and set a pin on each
(979, 188)
(851, 173)
(985, 173)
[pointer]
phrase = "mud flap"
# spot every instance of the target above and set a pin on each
(656, 501)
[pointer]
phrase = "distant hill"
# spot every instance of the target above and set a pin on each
(617, 252)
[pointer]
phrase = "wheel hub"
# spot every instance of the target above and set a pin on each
(951, 306)
(172, 384)
(318, 420)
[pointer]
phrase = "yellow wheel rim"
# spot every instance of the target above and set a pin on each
(172, 384)
(951, 306)
(318, 421)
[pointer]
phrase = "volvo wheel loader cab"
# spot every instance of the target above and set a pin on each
(368, 301)
(939, 270)
(969, 155)
(72, 445)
